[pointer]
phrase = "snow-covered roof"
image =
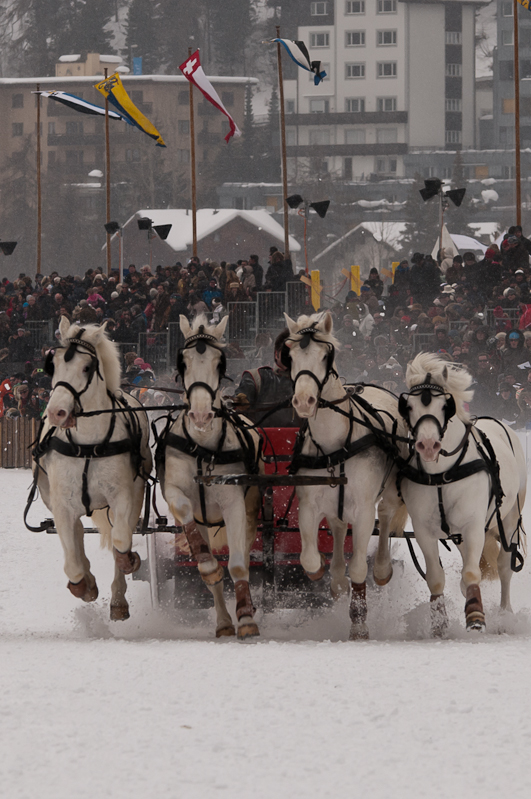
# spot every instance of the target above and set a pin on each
(208, 221)
(69, 59)
(111, 59)
(389, 233)
(484, 228)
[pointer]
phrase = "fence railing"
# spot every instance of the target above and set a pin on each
(514, 315)
(297, 299)
(242, 326)
(175, 342)
(16, 437)
(42, 333)
(270, 307)
(423, 342)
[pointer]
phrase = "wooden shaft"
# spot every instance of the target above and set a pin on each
(192, 166)
(283, 147)
(39, 192)
(107, 178)
(517, 116)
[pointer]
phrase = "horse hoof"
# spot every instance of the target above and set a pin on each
(119, 612)
(91, 594)
(379, 581)
(225, 632)
(476, 621)
(314, 576)
(213, 578)
(78, 589)
(248, 630)
(127, 562)
(338, 590)
(359, 632)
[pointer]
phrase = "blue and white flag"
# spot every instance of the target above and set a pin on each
(299, 53)
(78, 104)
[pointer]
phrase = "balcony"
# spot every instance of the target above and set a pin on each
(329, 150)
(348, 118)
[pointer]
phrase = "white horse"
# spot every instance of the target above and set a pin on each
(344, 434)
(203, 438)
(463, 478)
(92, 465)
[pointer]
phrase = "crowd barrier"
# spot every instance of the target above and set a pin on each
(17, 436)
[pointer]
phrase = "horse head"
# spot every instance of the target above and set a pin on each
(310, 352)
(80, 369)
(437, 393)
(201, 364)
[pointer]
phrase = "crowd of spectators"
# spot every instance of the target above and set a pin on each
(473, 312)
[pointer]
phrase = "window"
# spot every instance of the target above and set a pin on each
(17, 128)
(132, 155)
(454, 70)
(355, 7)
(74, 157)
(392, 165)
(290, 106)
(386, 135)
(508, 105)
(355, 136)
(525, 68)
(51, 158)
(320, 136)
(74, 128)
(291, 137)
(506, 70)
(319, 106)
(453, 105)
(507, 38)
(354, 70)
(509, 171)
(347, 168)
(183, 156)
(355, 105)
(524, 39)
(385, 38)
(40, 129)
(507, 9)
(453, 137)
(137, 97)
(355, 39)
(227, 98)
(184, 126)
(386, 103)
(183, 98)
(17, 101)
(454, 37)
(51, 128)
(322, 68)
(386, 7)
(319, 40)
(318, 9)
(386, 69)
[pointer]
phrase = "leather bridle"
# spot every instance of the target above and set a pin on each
(94, 369)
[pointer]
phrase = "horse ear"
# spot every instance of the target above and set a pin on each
(184, 324)
(328, 322)
(64, 326)
(292, 325)
(220, 328)
(445, 373)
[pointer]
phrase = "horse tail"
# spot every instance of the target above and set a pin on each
(103, 523)
(489, 559)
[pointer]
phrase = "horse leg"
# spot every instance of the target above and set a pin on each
(338, 578)
(122, 533)
(362, 527)
(119, 609)
(471, 549)
(235, 517)
(92, 589)
(436, 580)
(313, 563)
(71, 538)
(392, 515)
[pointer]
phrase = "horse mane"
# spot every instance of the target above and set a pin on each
(201, 319)
(317, 319)
(107, 350)
(454, 378)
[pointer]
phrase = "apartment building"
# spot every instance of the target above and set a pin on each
(400, 74)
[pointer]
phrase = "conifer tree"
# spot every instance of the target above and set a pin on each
(422, 220)
(142, 36)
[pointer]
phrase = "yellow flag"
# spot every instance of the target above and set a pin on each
(316, 289)
(113, 89)
(355, 279)
(525, 3)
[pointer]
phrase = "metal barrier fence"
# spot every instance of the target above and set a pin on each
(175, 342)
(16, 437)
(458, 324)
(270, 311)
(423, 342)
(514, 315)
(297, 299)
(242, 326)
(42, 333)
(153, 349)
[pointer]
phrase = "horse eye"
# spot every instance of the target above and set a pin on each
(85, 368)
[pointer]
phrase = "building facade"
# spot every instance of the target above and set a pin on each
(400, 74)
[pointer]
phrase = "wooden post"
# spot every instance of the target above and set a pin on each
(283, 148)
(192, 165)
(394, 266)
(355, 279)
(107, 177)
(517, 116)
(39, 195)
(316, 289)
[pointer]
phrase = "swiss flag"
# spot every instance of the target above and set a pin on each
(193, 71)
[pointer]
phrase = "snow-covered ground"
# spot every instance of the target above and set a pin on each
(156, 707)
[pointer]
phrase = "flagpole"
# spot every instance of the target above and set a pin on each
(517, 116)
(107, 176)
(39, 196)
(283, 147)
(192, 165)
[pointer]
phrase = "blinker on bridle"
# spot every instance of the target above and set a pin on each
(427, 391)
(94, 369)
(308, 334)
(200, 341)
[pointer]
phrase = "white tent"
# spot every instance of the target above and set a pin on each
(453, 243)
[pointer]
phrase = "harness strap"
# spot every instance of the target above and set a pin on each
(334, 458)
(189, 447)
(88, 451)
